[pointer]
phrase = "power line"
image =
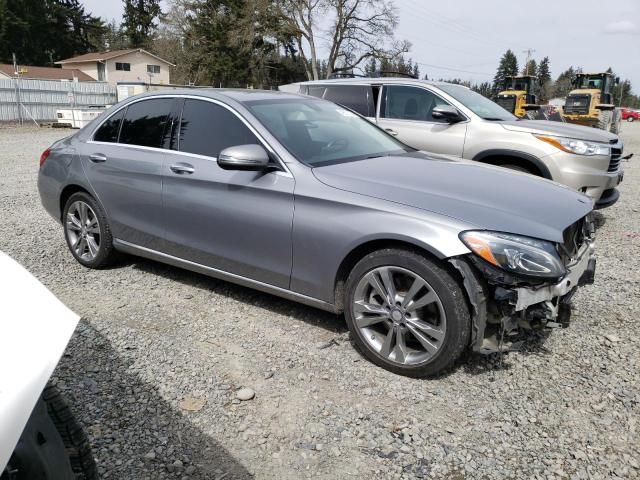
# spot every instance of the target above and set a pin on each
(440, 20)
(454, 69)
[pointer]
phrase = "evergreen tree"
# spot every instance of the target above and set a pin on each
(530, 68)
(544, 80)
(371, 68)
(221, 62)
(508, 67)
(483, 89)
(139, 21)
(41, 32)
(544, 71)
(564, 83)
(416, 71)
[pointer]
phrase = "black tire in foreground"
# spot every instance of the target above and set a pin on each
(53, 445)
(87, 231)
(406, 313)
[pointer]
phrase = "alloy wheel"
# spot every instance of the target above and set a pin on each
(83, 230)
(399, 315)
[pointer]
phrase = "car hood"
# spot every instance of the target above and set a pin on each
(485, 197)
(560, 129)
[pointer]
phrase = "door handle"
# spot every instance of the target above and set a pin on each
(97, 158)
(182, 168)
(391, 131)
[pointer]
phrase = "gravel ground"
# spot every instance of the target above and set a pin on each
(156, 367)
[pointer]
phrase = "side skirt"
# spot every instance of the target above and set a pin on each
(137, 250)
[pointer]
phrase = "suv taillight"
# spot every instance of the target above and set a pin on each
(44, 156)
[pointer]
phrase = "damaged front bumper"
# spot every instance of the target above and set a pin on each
(501, 305)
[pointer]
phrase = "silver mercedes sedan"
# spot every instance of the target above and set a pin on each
(298, 197)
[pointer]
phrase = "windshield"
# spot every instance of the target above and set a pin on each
(319, 133)
(590, 82)
(481, 106)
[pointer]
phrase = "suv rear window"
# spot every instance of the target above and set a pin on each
(145, 123)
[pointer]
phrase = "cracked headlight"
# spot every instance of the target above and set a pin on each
(579, 147)
(515, 254)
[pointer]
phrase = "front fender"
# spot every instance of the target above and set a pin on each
(35, 330)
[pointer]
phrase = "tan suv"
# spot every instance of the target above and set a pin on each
(451, 119)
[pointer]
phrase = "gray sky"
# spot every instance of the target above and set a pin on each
(471, 35)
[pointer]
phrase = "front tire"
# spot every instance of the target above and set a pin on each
(605, 120)
(87, 231)
(406, 313)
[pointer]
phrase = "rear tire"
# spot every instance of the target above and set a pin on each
(417, 327)
(630, 119)
(87, 231)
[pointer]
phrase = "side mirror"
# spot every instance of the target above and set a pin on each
(244, 157)
(448, 113)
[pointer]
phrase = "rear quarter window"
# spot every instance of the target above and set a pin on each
(108, 131)
(356, 97)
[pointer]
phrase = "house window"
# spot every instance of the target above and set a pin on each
(153, 68)
(125, 67)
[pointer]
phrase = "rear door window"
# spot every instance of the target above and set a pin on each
(358, 98)
(108, 131)
(207, 128)
(146, 123)
(409, 103)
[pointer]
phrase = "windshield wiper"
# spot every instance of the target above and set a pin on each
(493, 119)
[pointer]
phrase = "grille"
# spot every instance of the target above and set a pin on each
(577, 104)
(573, 239)
(507, 102)
(614, 163)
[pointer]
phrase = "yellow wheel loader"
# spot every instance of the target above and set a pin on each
(590, 103)
(518, 96)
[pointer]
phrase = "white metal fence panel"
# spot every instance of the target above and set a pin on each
(24, 99)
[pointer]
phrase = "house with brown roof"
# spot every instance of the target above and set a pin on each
(44, 73)
(113, 66)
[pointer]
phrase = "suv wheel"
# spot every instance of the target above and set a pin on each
(406, 313)
(87, 231)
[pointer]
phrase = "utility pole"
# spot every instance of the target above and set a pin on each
(528, 51)
(17, 80)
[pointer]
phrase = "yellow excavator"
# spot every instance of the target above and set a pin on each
(590, 103)
(518, 96)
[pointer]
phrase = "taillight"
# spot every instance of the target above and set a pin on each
(44, 156)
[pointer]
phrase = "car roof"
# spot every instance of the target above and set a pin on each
(370, 80)
(237, 94)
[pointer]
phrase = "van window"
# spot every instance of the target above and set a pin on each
(108, 131)
(207, 128)
(316, 91)
(410, 103)
(145, 123)
(356, 97)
